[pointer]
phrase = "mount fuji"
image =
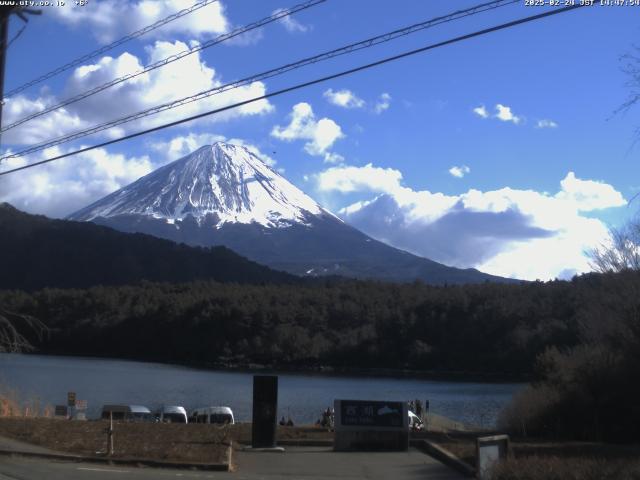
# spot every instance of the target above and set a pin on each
(223, 194)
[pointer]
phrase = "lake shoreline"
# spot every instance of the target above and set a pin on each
(320, 370)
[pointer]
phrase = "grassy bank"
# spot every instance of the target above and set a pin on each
(540, 459)
(154, 441)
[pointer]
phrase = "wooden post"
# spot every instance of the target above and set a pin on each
(110, 435)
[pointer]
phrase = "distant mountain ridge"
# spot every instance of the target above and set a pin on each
(37, 252)
(223, 194)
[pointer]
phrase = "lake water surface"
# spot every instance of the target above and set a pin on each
(303, 396)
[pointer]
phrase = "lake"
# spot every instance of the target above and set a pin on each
(303, 396)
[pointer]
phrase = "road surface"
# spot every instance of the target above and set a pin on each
(309, 463)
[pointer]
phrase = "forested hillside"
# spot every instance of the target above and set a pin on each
(37, 252)
(489, 328)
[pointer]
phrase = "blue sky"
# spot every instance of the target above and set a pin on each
(502, 152)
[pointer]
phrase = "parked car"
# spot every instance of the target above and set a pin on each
(220, 415)
(129, 413)
(173, 414)
(415, 422)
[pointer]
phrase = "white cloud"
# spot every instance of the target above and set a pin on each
(481, 111)
(347, 179)
(59, 188)
(517, 233)
(330, 157)
(384, 102)
(291, 24)
(505, 114)
(182, 78)
(321, 134)
(546, 123)
(344, 98)
(110, 20)
(55, 124)
(460, 171)
(589, 195)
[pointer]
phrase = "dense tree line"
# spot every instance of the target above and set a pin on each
(578, 341)
(487, 328)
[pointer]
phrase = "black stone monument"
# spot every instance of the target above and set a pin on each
(265, 409)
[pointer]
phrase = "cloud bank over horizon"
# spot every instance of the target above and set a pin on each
(508, 232)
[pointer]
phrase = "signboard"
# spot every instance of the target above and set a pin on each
(265, 409)
(371, 413)
(489, 451)
(81, 404)
(371, 425)
(71, 399)
(61, 411)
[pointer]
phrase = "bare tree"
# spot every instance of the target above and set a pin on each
(622, 252)
(631, 67)
(13, 327)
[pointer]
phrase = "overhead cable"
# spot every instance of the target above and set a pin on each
(165, 61)
(299, 86)
(111, 46)
(370, 42)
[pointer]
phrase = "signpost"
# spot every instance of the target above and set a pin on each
(489, 451)
(371, 425)
(81, 407)
(61, 411)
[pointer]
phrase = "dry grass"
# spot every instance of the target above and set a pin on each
(548, 456)
(562, 468)
(170, 442)
(12, 406)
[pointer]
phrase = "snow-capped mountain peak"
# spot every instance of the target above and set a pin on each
(225, 182)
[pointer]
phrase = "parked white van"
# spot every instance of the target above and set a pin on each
(212, 415)
(129, 413)
(173, 414)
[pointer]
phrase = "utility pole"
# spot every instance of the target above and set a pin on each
(5, 13)
(4, 38)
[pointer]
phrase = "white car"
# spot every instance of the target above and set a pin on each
(173, 414)
(129, 413)
(220, 415)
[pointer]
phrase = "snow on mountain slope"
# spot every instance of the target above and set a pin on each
(222, 180)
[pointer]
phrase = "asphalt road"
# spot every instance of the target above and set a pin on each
(311, 463)
(21, 468)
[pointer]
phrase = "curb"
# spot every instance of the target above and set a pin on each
(444, 456)
(298, 443)
(218, 467)
(305, 443)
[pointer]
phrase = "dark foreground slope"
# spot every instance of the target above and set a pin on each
(37, 252)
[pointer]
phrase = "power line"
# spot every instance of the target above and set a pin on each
(307, 84)
(111, 46)
(161, 63)
(15, 37)
(370, 42)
